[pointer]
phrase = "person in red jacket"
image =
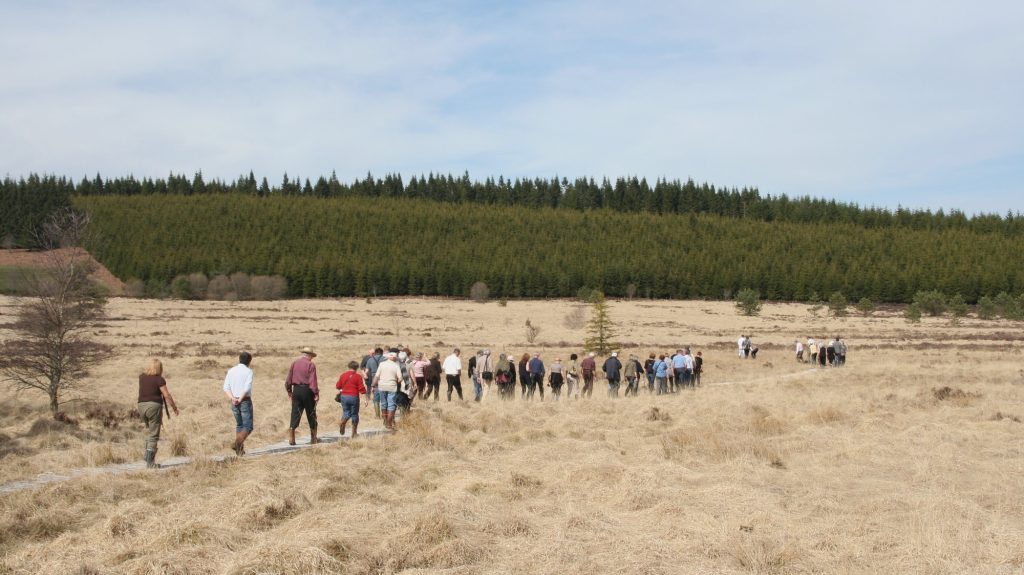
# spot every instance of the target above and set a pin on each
(352, 390)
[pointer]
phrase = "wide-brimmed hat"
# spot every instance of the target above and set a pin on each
(308, 351)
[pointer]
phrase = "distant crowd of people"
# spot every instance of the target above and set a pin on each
(832, 354)
(394, 379)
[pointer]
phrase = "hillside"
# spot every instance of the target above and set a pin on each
(356, 246)
(14, 262)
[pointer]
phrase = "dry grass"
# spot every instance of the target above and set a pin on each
(763, 470)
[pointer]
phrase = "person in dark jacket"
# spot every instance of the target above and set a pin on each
(536, 368)
(524, 373)
(613, 372)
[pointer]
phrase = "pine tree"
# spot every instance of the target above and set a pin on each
(601, 329)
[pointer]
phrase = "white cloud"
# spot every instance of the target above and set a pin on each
(844, 100)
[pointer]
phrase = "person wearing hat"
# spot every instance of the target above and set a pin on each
(302, 388)
(386, 384)
(613, 371)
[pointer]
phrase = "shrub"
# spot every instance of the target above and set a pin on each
(180, 288)
(913, 313)
(269, 287)
(241, 285)
(1009, 306)
(866, 307)
(837, 304)
(587, 294)
(532, 331)
(748, 301)
(932, 302)
(987, 308)
(957, 308)
(479, 292)
(197, 283)
(135, 288)
(218, 288)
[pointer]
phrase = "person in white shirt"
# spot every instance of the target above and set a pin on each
(452, 368)
(238, 389)
(385, 385)
(739, 344)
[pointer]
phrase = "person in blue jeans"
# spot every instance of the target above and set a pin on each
(238, 389)
(369, 366)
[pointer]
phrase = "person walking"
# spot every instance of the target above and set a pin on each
(536, 376)
(572, 377)
(649, 372)
(698, 369)
(386, 384)
(679, 369)
(633, 372)
(452, 371)
(154, 398)
(556, 378)
(503, 374)
(661, 369)
(351, 387)
(588, 367)
(432, 373)
(613, 372)
(370, 365)
(474, 376)
(304, 393)
(799, 351)
(238, 389)
(813, 348)
(687, 376)
(524, 373)
(485, 367)
(419, 366)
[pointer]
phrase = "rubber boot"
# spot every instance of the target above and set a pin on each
(313, 440)
(291, 436)
(150, 459)
(341, 427)
(355, 428)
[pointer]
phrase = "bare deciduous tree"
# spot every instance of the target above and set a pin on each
(53, 350)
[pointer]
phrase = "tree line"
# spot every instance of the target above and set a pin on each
(26, 201)
(347, 246)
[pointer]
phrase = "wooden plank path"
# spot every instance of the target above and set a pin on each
(174, 462)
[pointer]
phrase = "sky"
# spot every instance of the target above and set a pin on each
(912, 103)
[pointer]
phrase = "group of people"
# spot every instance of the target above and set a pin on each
(832, 354)
(746, 348)
(394, 379)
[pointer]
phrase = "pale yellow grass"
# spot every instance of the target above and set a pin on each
(770, 468)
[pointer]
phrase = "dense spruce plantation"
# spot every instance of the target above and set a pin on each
(346, 246)
(25, 202)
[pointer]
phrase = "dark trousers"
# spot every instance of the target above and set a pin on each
(537, 384)
(302, 400)
(433, 386)
(588, 385)
(453, 383)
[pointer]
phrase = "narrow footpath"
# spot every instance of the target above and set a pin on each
(174, 462)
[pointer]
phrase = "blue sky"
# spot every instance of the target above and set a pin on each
(907, 103)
